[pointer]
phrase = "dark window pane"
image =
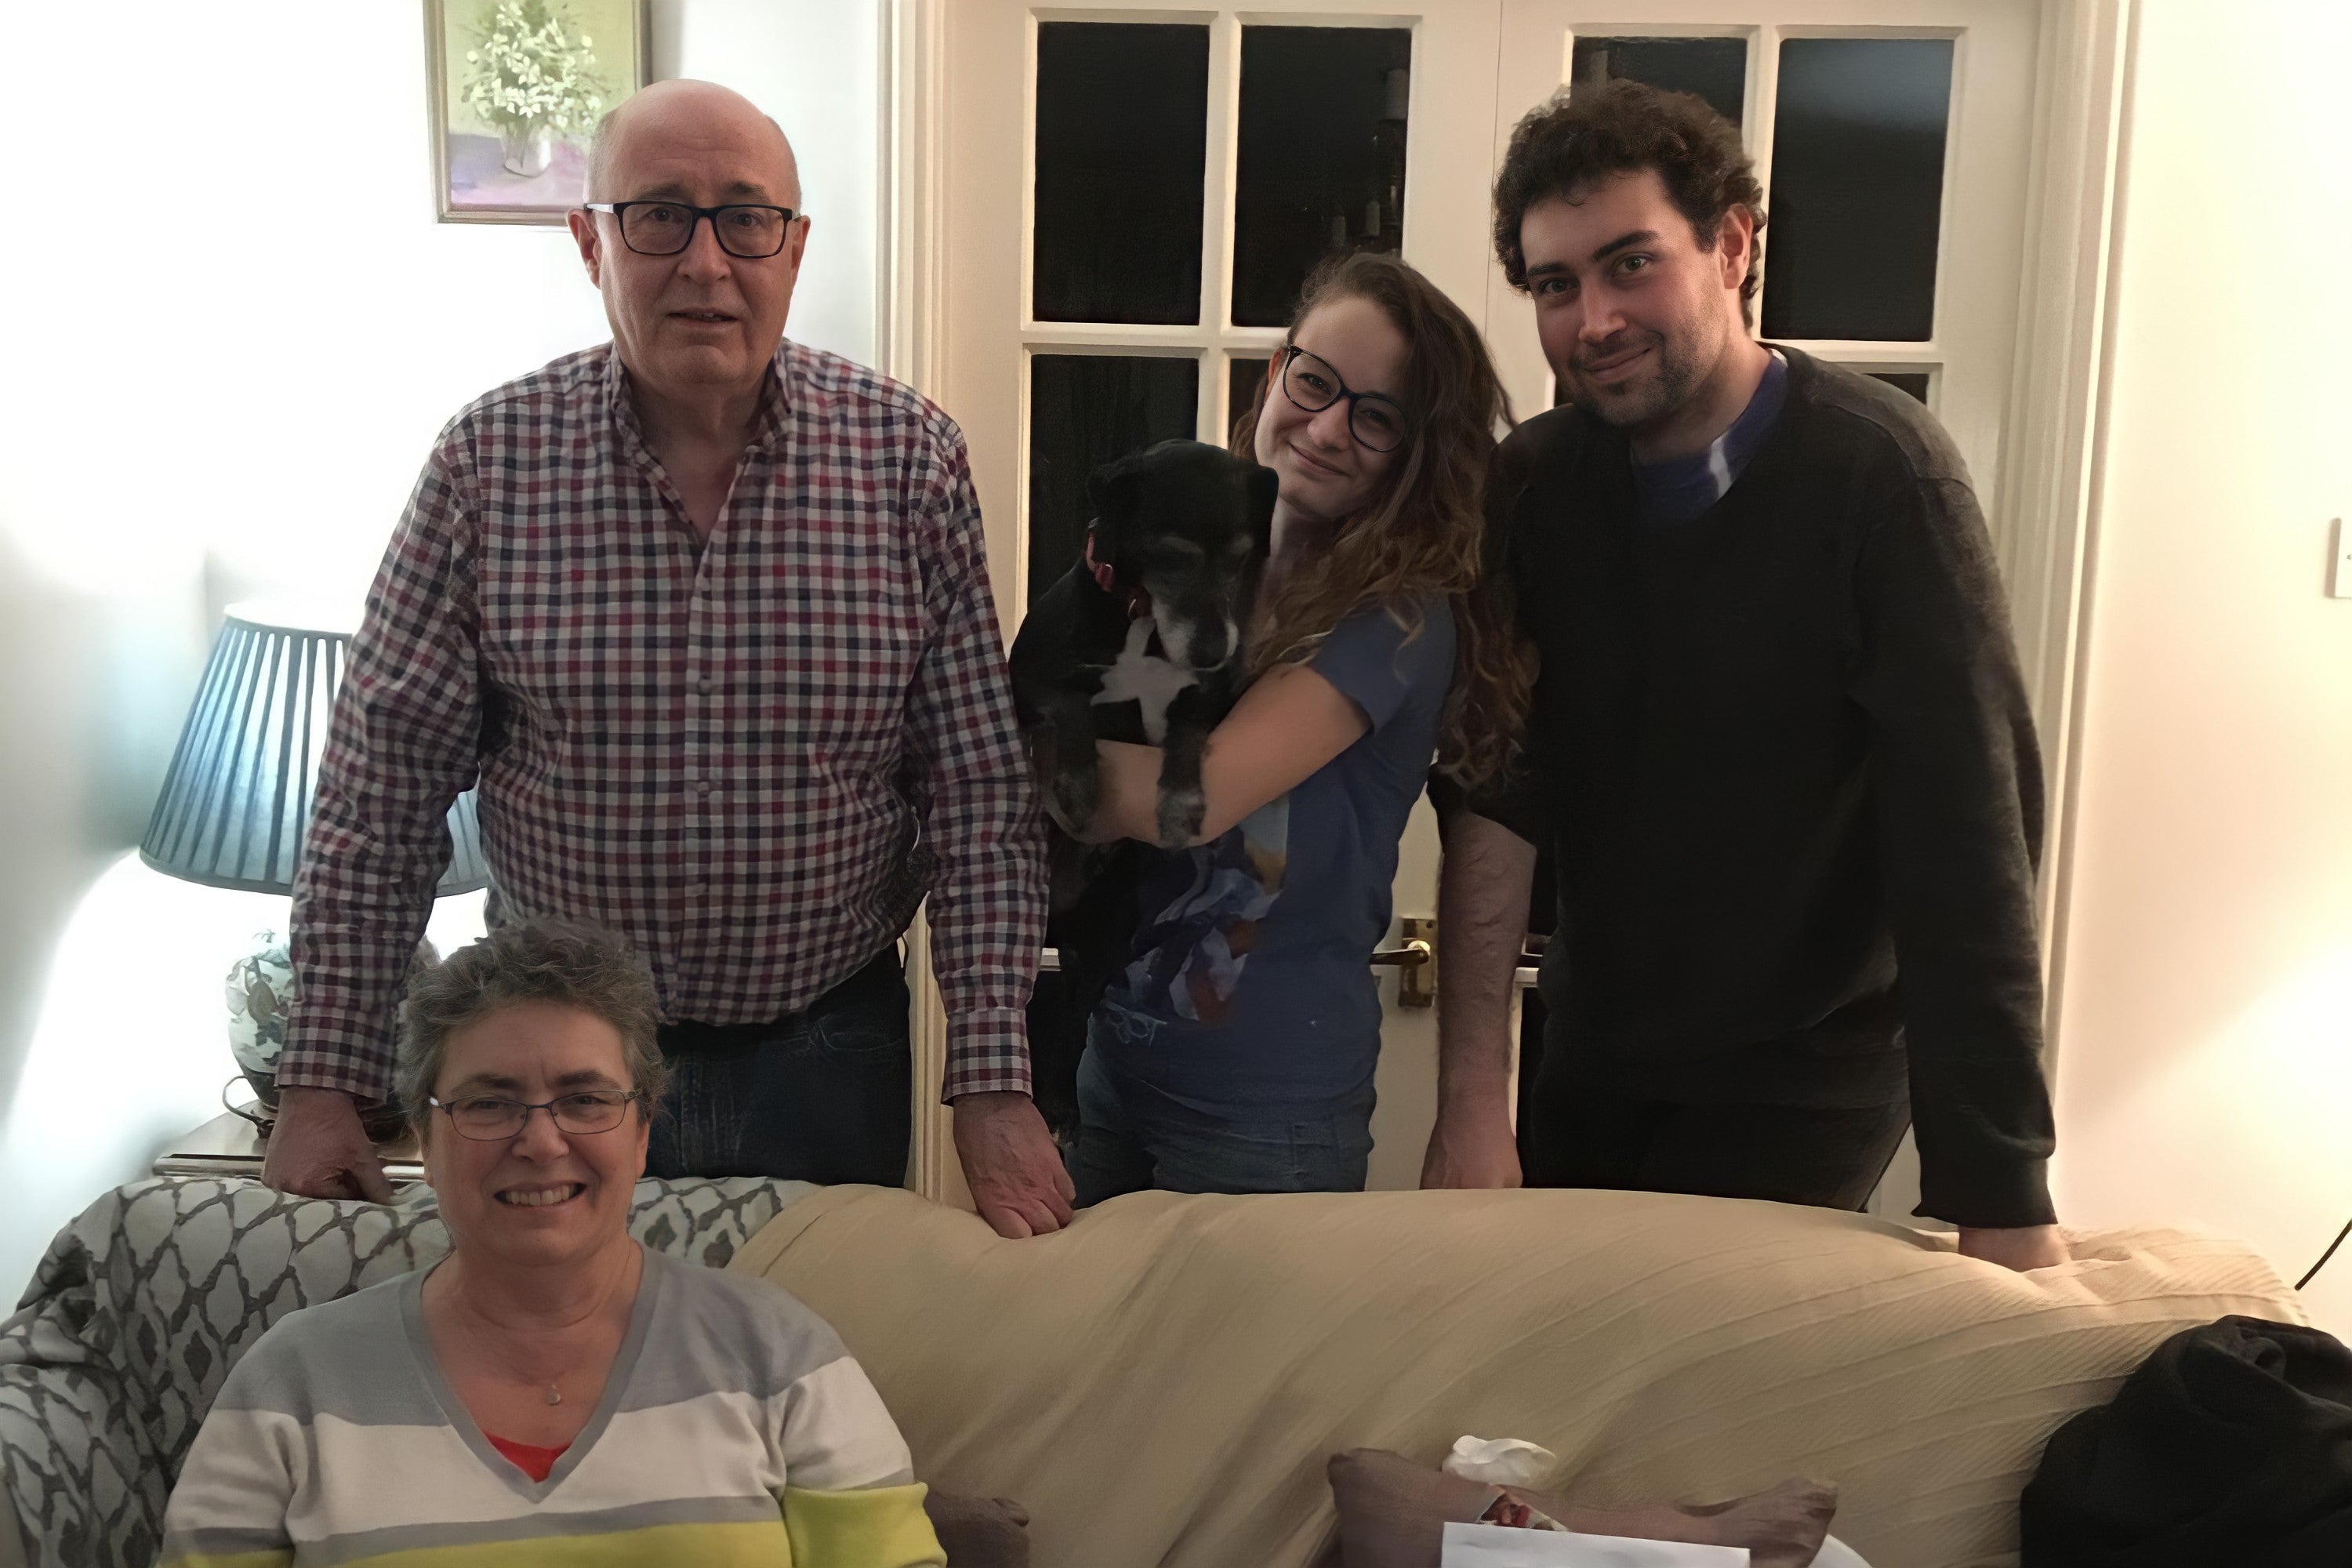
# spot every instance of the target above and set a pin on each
(1857, 188)
(1122, 144)
(1713, 69)
(1914, 382)
(1321, 165)
(1243, 378)
(1084, 410)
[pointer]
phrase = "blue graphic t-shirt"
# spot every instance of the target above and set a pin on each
(1249, 986)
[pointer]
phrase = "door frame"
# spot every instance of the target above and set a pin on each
(2052, 436)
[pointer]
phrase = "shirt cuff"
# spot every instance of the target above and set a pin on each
(337, 1064)
(988, 1053)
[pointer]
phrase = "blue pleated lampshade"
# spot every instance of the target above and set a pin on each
(237, 798)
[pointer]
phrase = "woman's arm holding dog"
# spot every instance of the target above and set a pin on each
(1286, 726)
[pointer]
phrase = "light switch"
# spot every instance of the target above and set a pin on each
(2339, 570)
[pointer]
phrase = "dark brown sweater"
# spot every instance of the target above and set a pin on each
(1783, 757)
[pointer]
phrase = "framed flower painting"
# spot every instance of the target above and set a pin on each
(517, 88)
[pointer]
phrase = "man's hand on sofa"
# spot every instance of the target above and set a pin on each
(317, 1149)
(1471, 1148)
(2025, 1247)
(1011, 1165)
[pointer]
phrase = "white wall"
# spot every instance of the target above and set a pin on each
(225, 355)
(2205, 1038)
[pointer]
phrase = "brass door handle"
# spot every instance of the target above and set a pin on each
(1415, 954)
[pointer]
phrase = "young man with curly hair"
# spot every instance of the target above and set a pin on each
(1780, 746)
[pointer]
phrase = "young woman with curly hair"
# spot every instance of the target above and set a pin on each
(1236, 1052)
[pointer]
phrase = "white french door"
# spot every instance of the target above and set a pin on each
(1125, 196)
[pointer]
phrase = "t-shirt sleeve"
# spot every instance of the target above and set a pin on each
(1386, 667)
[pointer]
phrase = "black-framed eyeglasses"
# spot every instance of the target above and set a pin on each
(1376, 420)
(491, 1117)
(751, 231)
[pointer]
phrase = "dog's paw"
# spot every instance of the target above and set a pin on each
(1070, 799)
(1181, 810)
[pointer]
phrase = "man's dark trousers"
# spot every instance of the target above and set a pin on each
(822, 1095)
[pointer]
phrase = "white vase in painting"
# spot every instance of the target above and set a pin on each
(528, 148)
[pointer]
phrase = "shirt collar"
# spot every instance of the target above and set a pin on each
(769, 426)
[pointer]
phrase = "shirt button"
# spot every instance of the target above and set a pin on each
(704, 685)
(702, 787)
(695, 890)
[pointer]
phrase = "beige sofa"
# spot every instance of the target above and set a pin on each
(1163, 1384)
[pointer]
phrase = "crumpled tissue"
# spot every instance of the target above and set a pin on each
(1499, 1461)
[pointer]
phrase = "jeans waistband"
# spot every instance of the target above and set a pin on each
(861, 982)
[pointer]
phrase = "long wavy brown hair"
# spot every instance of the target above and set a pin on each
(1424, 532)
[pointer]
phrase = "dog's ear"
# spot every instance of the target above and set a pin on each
(1111, 498)
(1264, 486)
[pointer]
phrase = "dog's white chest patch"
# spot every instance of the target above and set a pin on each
(1146, 680)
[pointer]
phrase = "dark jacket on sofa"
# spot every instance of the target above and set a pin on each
(2232, 1443)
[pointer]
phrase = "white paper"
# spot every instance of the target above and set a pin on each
(1496, 1546)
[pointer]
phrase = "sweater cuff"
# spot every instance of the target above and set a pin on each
(1986, 1194)
(878, 1527)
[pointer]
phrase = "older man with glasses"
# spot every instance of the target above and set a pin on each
(708, 612)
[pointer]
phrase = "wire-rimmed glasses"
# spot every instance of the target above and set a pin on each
(493, 1118)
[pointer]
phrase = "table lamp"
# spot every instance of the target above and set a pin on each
(237, 799)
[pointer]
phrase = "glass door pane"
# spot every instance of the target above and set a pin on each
(1320, 165)
(1122, 134)
(1857, 188)
(1244, 376)
(1084, 411)
(1715, 70)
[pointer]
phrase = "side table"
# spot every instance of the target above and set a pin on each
(229, 1145)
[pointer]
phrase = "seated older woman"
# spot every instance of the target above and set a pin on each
(550, 1392)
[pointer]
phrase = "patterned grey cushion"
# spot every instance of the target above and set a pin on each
(146, 1301)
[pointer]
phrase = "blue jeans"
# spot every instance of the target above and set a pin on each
(1132, 1136)
(822, 1095)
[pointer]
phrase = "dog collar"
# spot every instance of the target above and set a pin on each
(1139, 602)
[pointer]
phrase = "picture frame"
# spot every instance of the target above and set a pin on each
(515, 89)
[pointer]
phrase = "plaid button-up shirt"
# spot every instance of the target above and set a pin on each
(752, 756)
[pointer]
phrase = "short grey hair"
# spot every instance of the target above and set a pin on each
(547, 959)
(599, 157)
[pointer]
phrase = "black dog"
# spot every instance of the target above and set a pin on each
(1140, 642)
